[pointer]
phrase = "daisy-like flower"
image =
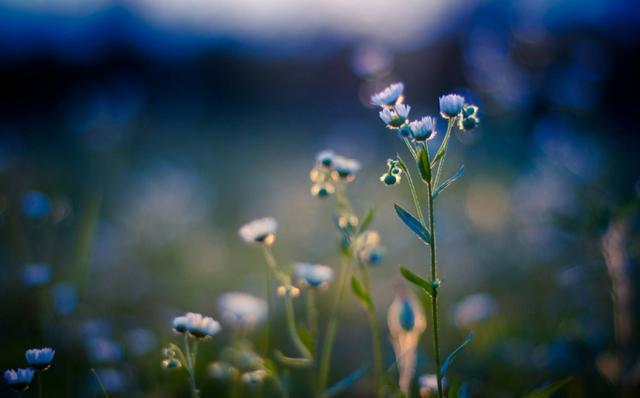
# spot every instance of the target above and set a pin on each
(325, 158)
(451, 105)
(196, 325)
(406, 323)
(19, 379)
(423, 129)
(428, 386)
(345, 168)
(368, 249)
(396, 116)
(242, 309)
(313, 275)
(389, 95)
(40, 359)
(262, 230)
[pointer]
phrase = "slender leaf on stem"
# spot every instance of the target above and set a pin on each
(416, 280)
(424, 166)
(345, 383)
(402, 164)
(293, 362)
(449, 181)
(359, 291)
(366, 221)
(413, 224)
(547, 391)
(306, 338)
(450, 358)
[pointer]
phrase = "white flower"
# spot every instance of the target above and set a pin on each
(389, 95)
(19, 379)
(40, 359)
(428, 385)
(325, 157)
(262, 230)
(345, 168)
(242, 309)
(387, 115)
(423, 129)
(396, 116)
(474, 308)
(403, 110)
(314, 275)
(451, 105)
(196, 325)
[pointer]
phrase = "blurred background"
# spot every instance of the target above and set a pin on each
(137, 136)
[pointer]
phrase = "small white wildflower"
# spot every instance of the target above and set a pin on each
(19, 379)
(423, 129)
(40, 359)
(325, 158)
(389, 95)
(451, 105)
(345, 168)
(313, 275)
(262, 231)
(242, 309)
(396, 116)
(196, 325)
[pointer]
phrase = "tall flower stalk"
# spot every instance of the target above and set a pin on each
(416, 136)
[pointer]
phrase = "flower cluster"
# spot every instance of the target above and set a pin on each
(196, 325)
(329, 170)
(38, 359)
(393, 174)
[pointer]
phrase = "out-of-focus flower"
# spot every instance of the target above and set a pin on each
(254, 377)
(222, 370)
(35, 204)
(65, 298)
(196, 325)
(112, 379)
(451, 105)
(396, 116)
(262, 230)
(242, 309)
(36, 274)
(393, 174)
(103, 350)
(171, 363)
(19, 379)
(389, 95)
(406, 323)
(428, 386)
(325, 158)
(313, 275)
(344, 168)
(474, 308)
(423, 129)
(40, 359)
(367, 248)
(141, 341)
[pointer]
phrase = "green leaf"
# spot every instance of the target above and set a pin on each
(345, 383)
(448, 182)
(359, 291)
(413, 224)
(424, 166)
(366, 221)
(306, 338)
(449, 360)
(438, 156)
(293, 362)
(403, 165)
(416, 280)
(547, 391)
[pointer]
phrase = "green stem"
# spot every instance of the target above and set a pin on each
(236, 388)
(312, 312)
(267, 326)
(293, 332)
(410, 148)
(190, 368)
(332, 327)
(434, 296)
(375, 334)
(443, 148)
(104, 390)
(414, 195)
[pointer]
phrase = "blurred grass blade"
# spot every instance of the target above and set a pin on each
(306, 338)
(448, 182)
(417, 280)
(402, 164)
(424, 166)
(293, 362)
(366, 221)
(547, 391)
(104, 391)
(345, 383)
(359, 291)
(413, 224)
(450, 358)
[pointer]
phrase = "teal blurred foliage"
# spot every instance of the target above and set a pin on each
(125, 175)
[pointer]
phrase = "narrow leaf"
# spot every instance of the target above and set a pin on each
(306, 338)
(437, 157)
(545, 392)
(424, 166)
(292, 362)
(413, 224)
(345, 383)
(416, 280)
(448, 182)
(403, 165)
(366, 221)
(359, 291)
(449, 360)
